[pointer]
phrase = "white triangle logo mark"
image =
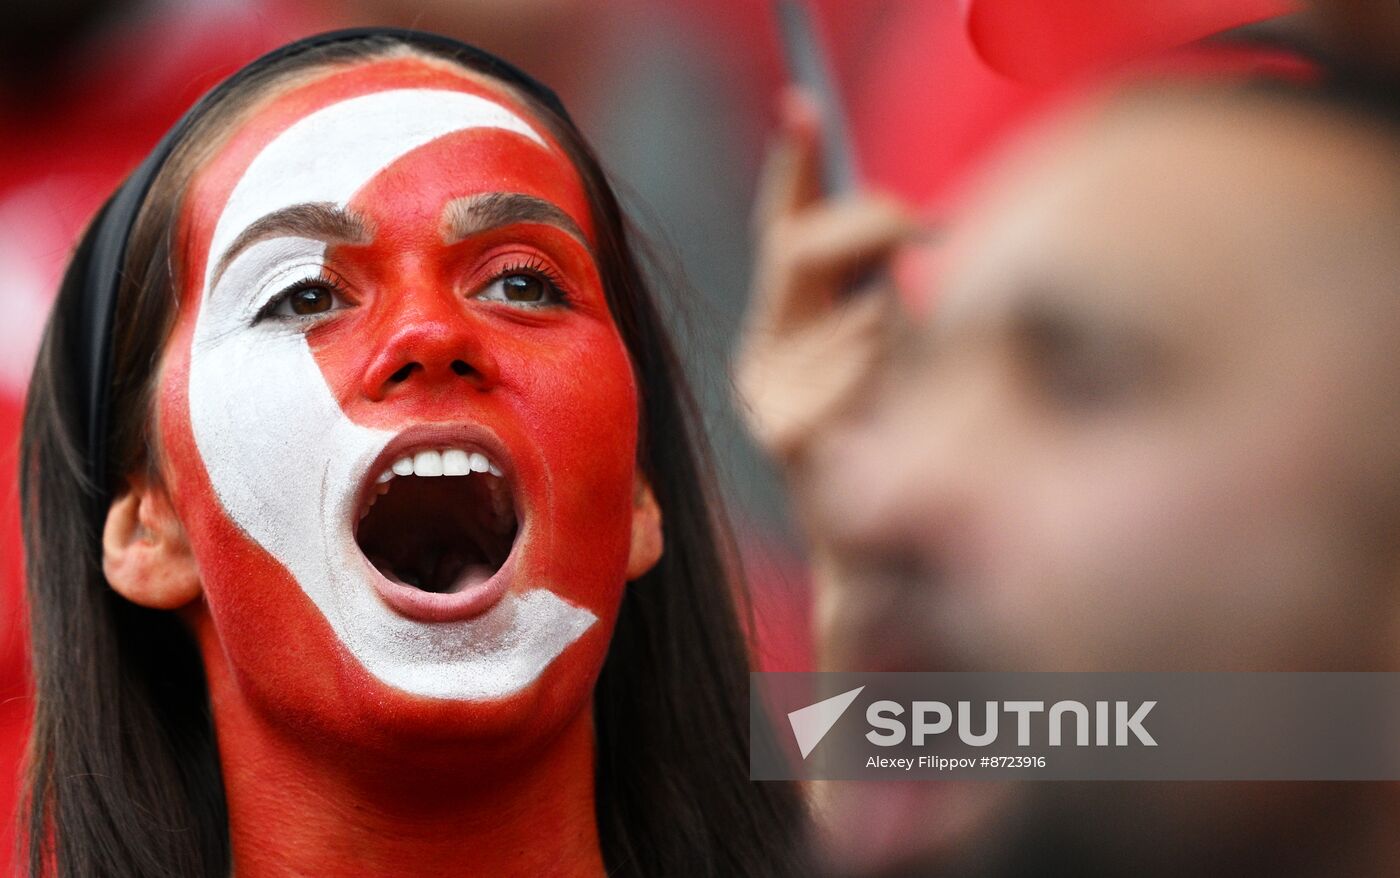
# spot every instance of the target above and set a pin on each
(811, 723)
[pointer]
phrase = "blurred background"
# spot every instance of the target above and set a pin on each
(679, 97)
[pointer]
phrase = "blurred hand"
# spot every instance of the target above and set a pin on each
(821, 305)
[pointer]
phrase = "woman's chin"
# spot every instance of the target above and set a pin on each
(392, 726)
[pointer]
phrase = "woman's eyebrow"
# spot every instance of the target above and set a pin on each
(478, 213)
(320, 220)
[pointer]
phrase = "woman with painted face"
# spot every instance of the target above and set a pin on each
(367, 528)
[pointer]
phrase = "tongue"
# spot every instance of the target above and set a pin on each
(471, 576)
(451, 575)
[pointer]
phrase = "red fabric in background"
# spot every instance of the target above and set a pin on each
(1049, 40)
(932, 86)
(943, 83)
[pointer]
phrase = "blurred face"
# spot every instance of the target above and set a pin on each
(397, 417)
(1152, 426)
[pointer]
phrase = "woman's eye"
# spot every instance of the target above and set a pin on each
(306, 299)
(311, 301)
(522, 289)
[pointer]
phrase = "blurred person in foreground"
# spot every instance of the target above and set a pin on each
(1152, 424)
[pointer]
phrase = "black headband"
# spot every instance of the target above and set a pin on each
(98, 262)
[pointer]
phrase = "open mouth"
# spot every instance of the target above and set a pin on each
(439, 521)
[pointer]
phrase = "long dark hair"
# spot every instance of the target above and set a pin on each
(123, 773)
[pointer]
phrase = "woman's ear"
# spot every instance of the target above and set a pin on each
(648, 540)
(145, 554)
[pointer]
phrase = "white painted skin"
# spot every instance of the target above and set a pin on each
(257, 394)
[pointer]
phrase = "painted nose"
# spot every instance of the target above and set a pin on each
(433, 342)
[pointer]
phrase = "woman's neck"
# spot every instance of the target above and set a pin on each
(303, 807)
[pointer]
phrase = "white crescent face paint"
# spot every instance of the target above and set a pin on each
(286, 463)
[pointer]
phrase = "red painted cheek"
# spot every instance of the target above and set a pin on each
(248, 593)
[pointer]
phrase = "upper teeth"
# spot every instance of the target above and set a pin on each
(444, 462)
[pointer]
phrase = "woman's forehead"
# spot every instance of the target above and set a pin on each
(325, 138)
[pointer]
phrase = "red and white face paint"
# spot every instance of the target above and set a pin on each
(297, 419)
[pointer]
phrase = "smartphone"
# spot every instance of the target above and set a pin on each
(809, 67)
